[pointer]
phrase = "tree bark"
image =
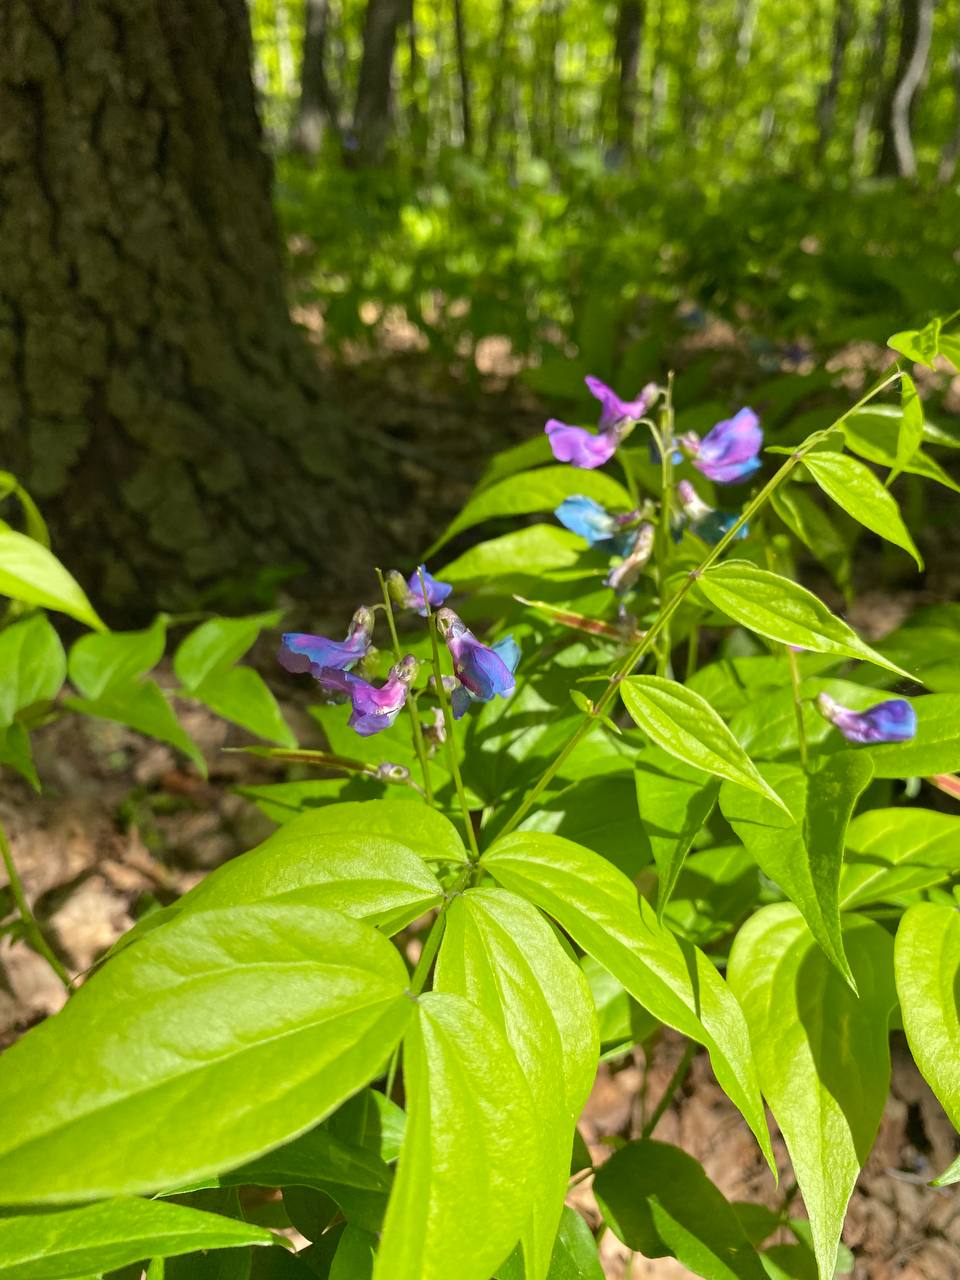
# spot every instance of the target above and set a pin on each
(951, 152)
(916, 29)
(317, 106)
(630, 18)
(371, 121)
(154, 395)
(501, 79)
(844, 20)
(466, 111)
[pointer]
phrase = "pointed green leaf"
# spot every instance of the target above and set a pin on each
(542, 549)
(29, 572)
(144, 707)
(598, 906)
(659, 1201)
(574, 1254)
(779, 609)
(822, 1052)
(240, 695)
(684, 724)
(856, 490)
(32, 666)
(920, 345)
(103, 1237)
(216, 1037)
(501, 954)
(927, 959)
(893, 851)
(216, 645)
(807, 521)
(910, 435)
(462, 1192)
(108, 659)
(874, 431)
(803, 850)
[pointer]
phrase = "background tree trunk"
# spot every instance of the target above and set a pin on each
(916, 30)
(371, 121)
(844, 20)
(317, 106)
(463, 75)
(154, 395)
(951, 150)
(629, 31)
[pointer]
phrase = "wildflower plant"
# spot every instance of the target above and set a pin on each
(603, 774)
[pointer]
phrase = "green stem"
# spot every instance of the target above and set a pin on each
(674, 1083)
(415, 729)
(798, 705)
(664, 539)
(623, 669)
(33, 931)
(693, 645)
(449, 725)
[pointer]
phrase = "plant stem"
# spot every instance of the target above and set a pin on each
(449, 725)
(693, 644)
(33, 930)
(416, 731)
(664, 537)
(667, 610)
(674, 1083)
(798, 705)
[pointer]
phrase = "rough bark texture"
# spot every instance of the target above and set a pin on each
(154, 395)
(371, 121)
(317, 107)
(916, 28)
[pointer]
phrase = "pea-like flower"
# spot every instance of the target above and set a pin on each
(483, 670)
(594, 523)
(409, 594)
(728, 452)
(301, 652)
(706, 522)
(622, 576)
(892, 721)
(618, 417)
(373, 709)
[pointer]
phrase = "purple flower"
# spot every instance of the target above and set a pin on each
(614, 411)
(373, 709)
(409, 594)
(581, 447)
(483, 671)
(622, 576)
(705, 521)
(892, 721)
(728, 452)
(301, 652)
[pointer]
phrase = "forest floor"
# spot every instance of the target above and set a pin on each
(123, 821)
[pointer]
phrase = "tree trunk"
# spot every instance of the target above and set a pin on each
(317, 106)
(466, 114)
(916, 29)
(371, 121)
(629, 31)
(951, 151)
(154, 395)
(871, 100)
(500, 78)
(844, 20)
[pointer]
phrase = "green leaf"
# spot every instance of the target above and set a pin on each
(807, 521)
(574, 1254)
(715, 890)
(856, 490)
(141, 706)
(540, 490)
(598, 906)
(920, 345)
(894, 851)
(874, 432)
(675, 802)
(822, 1052)
(622, 1022)
(102, 1237)
(462, 1193)
(600, 813)
(32, 666)
(685, 725)
(364, 870)
(354, 1259)
(417, 827)
(274, 1012)
(935, 747)
(659, 1201)
(803, 850)
(216, 645)
(782, 610)
(240, 695)
(15, 752)
(110, 659)
(541, 550)
(501, 954)
(927, 960)
(29, 572)
(910, 435)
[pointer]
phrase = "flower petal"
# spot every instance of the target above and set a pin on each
(892, 721)
(580, 447)
(437, 592)
(728, 452)
(587, 518)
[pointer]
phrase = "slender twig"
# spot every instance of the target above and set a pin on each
(449, 725)
(798, 704)
(33, 931)
(664, 534)
(667, 610)
(674, 1083)
(416, 731)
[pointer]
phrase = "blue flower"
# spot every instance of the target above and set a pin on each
(373, 709)
(409, 594)
(483, 670)
(587, 518)
(892, 721)
(705, 521)
(300, 652)
(728, 452)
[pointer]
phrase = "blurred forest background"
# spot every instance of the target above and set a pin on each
(467, 204)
